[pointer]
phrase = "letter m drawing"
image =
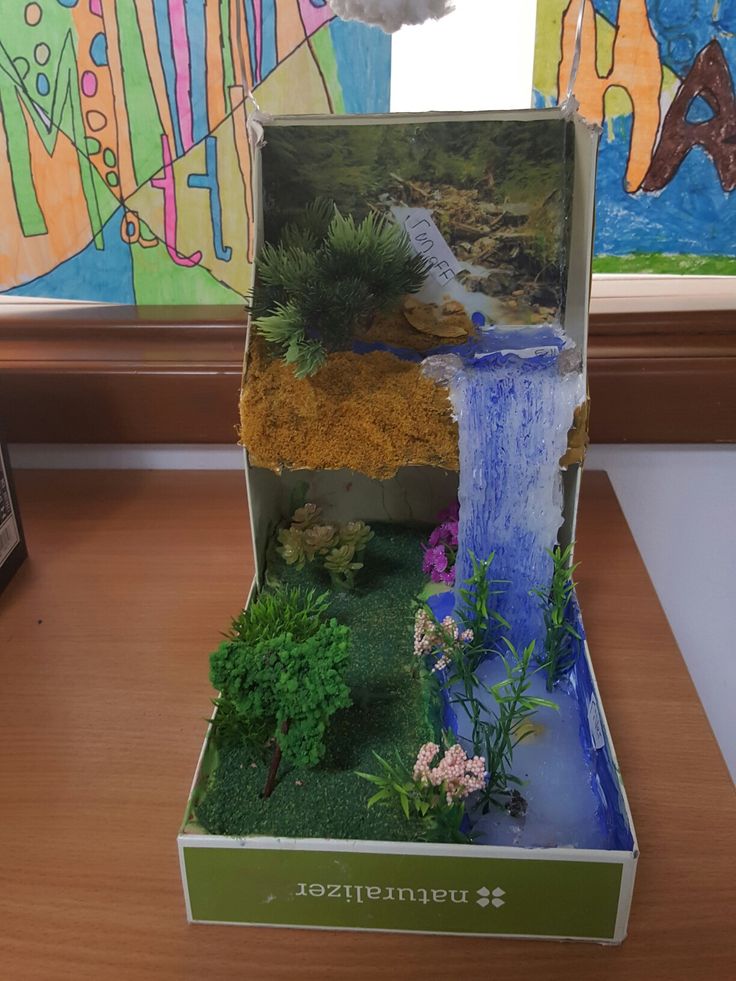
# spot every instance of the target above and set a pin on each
(65, 118)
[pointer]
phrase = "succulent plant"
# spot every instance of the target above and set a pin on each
(341, 565)
(292, 549)
(355, 533)
(306, 516)
(340, 547)
(319, 539)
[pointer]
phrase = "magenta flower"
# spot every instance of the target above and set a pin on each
(451, 513)
(435, 538)
(440, 551)
(435, 562)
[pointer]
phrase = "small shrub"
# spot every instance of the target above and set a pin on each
(282, 673)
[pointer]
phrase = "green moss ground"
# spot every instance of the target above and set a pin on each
(391, 712)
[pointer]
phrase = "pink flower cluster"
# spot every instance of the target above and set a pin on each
(440, 551)
(456, 773)
(444, 640)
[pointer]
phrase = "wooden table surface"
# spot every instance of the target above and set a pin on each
(104, 637)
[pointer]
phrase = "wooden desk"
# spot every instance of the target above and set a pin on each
(104, 638)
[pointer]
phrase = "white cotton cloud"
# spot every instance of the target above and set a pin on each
(390, 15)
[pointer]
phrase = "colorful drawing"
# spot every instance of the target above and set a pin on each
(659, 75)
(124, 155)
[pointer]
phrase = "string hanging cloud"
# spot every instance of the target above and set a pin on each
(390, 15)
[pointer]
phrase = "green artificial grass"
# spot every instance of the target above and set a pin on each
(392, 712)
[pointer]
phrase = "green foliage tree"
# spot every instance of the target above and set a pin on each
(282, 672)
(328, 275)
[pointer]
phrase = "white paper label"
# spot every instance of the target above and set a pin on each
(9, 536)
(596, 726)
(427, 241)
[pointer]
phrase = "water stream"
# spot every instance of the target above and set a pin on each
(513, 417)
(514, 410)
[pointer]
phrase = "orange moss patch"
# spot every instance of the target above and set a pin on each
(368, 412)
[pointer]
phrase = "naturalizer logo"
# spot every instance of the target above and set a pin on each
(401, 894)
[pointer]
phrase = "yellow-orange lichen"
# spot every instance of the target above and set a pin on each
(368, 412)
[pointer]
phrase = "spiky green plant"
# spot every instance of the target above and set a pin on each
(498, 738)
(476, 609)
(311, 228)
(461, 648)
(559, 652)
(281, 609)
(464, 644)
(328, 275)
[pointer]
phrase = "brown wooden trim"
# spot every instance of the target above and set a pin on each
(76, 377)
(663, 377)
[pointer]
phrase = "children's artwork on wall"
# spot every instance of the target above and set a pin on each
(659, 76)
(125, 167)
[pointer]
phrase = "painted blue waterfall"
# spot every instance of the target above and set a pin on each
(513, 415)
(514, 407)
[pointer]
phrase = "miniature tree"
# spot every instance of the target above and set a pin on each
(327, 276)
(282, 672)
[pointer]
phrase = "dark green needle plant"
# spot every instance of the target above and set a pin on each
(559, 650)
(327, 276)
(281, 677)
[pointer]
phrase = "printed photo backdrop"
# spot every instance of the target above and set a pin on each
(659, 76)
(124, 155)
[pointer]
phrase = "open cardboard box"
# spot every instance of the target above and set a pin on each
(478, 889)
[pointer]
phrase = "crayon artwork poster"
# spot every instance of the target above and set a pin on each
(658, 75)
(124, 155)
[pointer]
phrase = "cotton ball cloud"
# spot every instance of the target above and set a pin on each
(390, 15)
